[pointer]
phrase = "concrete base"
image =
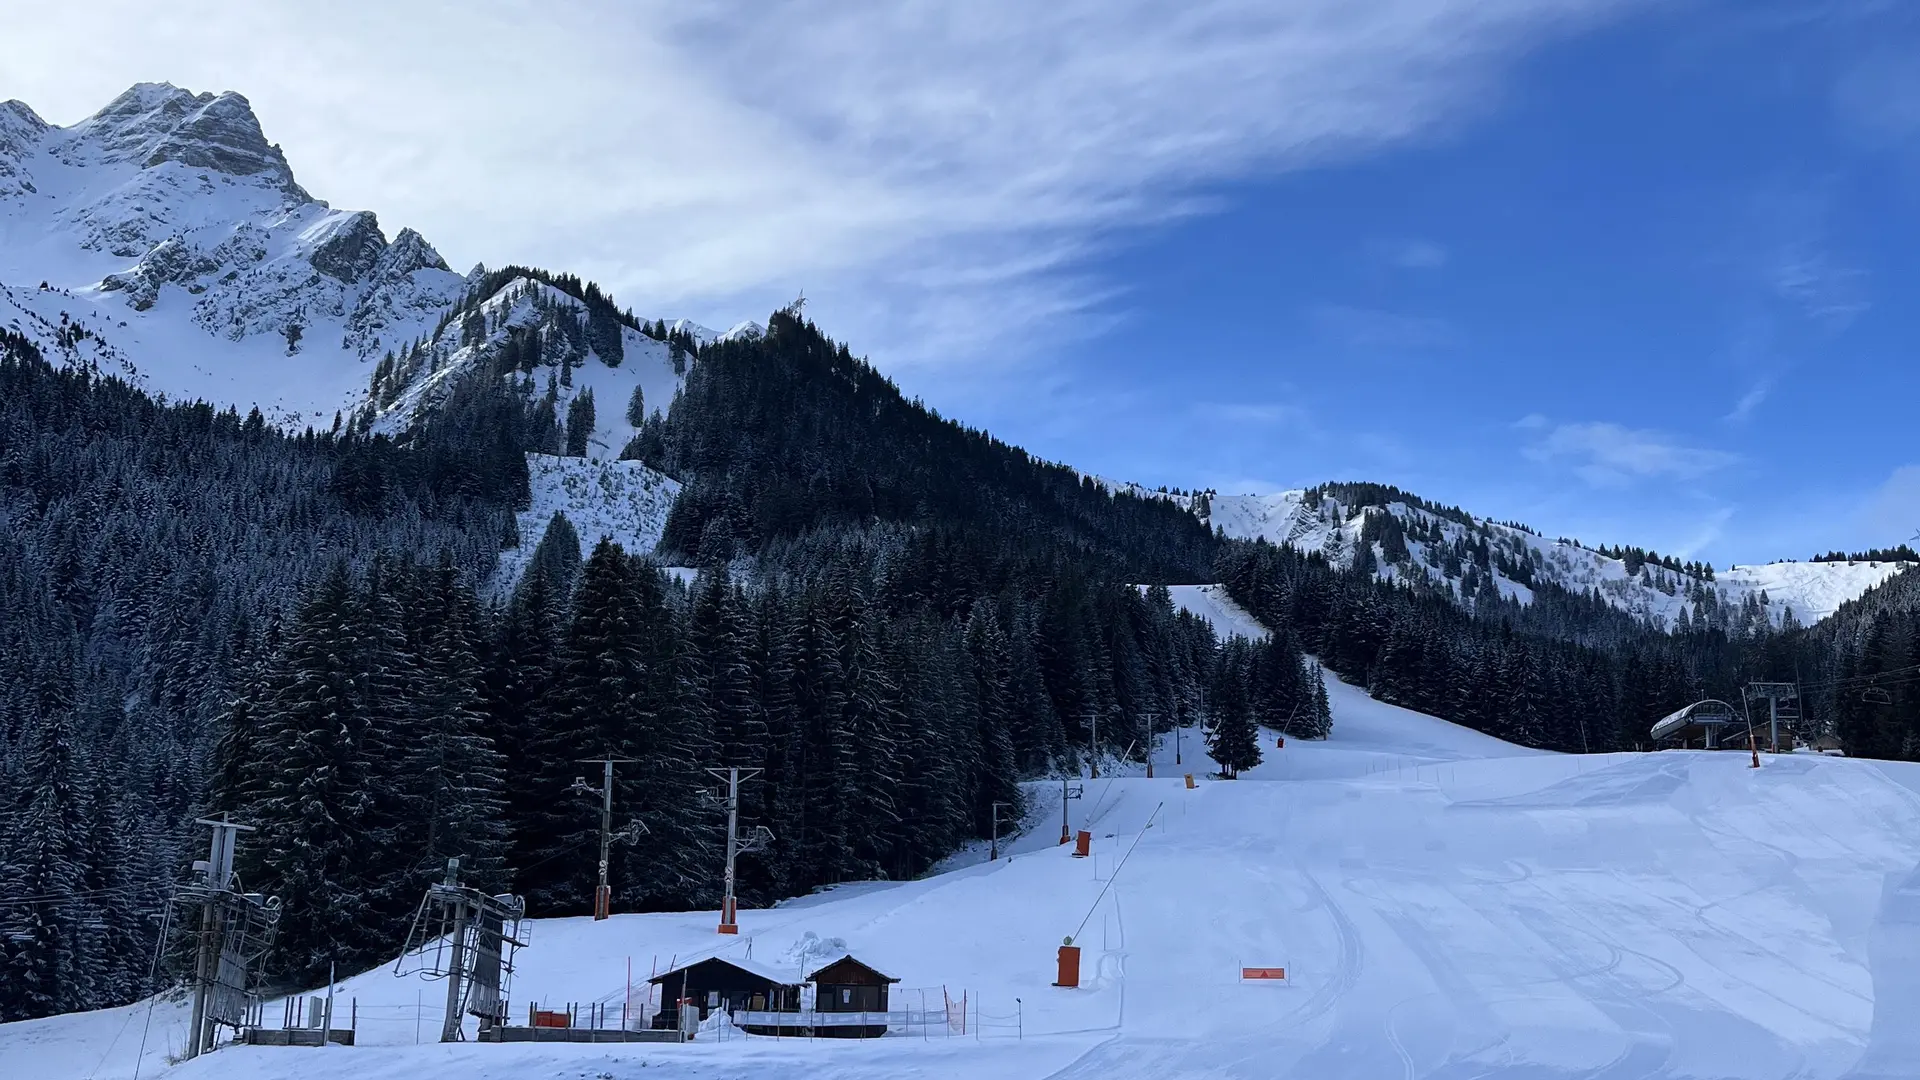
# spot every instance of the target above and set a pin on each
(577, 1035)
(294, 1037)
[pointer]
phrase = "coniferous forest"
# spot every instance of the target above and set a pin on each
(895, 617)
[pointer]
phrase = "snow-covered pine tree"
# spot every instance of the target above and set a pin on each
(44, 935)
(938, 748)
(456, 777)
(867, 775)
(1317, 717)
(556, 558)
(312, 799)
(601, 689)
(823, 832)
(580, 422)
(996, 776)
(519, 682)
(637, 406)
(1233, 739)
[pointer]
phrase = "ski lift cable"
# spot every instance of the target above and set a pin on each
(1911, 670)
(1111, 878)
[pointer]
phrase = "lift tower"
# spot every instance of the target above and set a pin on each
(235, 929)
(737, 844)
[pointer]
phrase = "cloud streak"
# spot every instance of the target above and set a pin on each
(1749, 401)
(1892, 513)
(1378, 330)
(1610, 455)
(934, 176)
(1414, 254)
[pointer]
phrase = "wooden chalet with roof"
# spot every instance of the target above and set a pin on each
(849, 999)
(846, 986)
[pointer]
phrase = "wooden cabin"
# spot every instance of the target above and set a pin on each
(848, 985)
(731, 985)
(849, 997)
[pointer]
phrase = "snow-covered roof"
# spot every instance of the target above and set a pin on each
(825, 964)
(782, 976)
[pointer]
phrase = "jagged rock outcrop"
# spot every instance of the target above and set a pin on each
(21, 129)
(171, 262)
(155, 123)
(352, 247)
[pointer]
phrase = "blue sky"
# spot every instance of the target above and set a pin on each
(1634, 271)
(1656, 293)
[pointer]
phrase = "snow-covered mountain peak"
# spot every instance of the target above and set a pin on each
(705, 335)
(165, 239)
(408, 252)
(17, 116)
(155, 123)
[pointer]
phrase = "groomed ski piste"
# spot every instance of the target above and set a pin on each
(1446, 905)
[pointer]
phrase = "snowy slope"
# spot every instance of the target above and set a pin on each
(1465, 555)
(622, 500)
(534, 310)
(1212, 604)
(1469, 557)
(1815, 590)
(1448, 906)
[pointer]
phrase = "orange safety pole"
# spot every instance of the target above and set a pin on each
(1069, 966)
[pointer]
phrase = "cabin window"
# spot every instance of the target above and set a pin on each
(846, 995)
(713, 998)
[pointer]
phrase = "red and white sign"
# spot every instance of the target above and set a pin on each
(1263, 974)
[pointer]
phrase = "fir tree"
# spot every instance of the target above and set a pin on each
(1233, 740)
(580, 423)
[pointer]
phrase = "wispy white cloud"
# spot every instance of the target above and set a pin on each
(1750, 401)
(1259, 413)
(1786, 244)
(1376, 329)
(932, 175)
(1609, 455)
(1892, 512)
(1705, 533)
(1876, 96)
(1409, 254)
(1805, 273)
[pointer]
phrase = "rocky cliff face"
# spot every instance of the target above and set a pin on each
(156, 123)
